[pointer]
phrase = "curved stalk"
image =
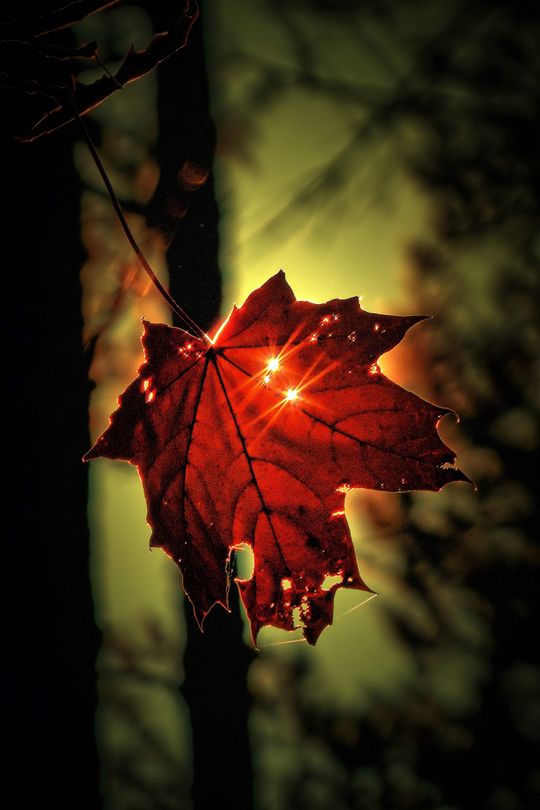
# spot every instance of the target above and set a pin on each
(182, 314)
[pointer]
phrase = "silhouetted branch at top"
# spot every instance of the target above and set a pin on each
(55, 20)
(43, 68)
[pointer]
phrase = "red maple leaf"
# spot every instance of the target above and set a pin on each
(256, 436)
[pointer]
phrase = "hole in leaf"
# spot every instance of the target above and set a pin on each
(245, 560)
(286, 584)
(332, 579)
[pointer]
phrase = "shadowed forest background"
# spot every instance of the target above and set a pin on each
(380, 149)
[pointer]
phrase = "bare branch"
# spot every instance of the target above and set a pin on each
(136, 64)
(53, 21)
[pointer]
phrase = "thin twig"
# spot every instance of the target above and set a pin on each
(131, 239)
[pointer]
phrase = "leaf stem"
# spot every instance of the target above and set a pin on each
(182, 314)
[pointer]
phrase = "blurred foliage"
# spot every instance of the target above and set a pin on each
(465, 733)
(139, 677)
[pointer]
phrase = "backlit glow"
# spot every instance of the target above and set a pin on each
(291, 394)
(273, 364)
(332, 579)
(286, 584)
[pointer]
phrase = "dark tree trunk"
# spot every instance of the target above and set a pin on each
(49, 639)
(215, 689)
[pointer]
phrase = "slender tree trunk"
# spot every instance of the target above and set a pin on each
(216, 662)
(215, 689)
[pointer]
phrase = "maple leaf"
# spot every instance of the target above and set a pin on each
(255, 438)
